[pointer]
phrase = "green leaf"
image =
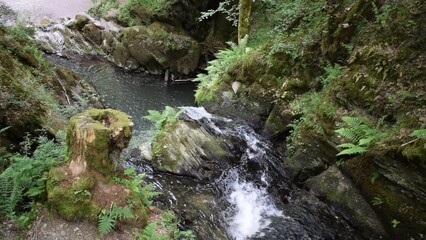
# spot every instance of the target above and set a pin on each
(420, 133)
(105, 224)
(352, 151)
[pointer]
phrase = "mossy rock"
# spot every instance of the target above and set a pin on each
(397, 187)
(188, 149)
(164, 47)
(339, 190)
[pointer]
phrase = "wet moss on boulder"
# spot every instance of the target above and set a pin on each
(186, 148)
(161, 46)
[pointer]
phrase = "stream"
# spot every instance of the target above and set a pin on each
(251, 199)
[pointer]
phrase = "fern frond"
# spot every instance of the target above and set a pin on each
(367, 141)
(105, 224)
(351, 134)
(420, 133)
(347, 145)
(148, 232)
(352, 151)
(120, 212)
(356, 121)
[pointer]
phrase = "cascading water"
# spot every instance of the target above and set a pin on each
(251, 207)
(251, 199)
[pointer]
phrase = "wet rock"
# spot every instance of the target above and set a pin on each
(96, 139)
(189, 149)
(92, 33)
(398, 189)
(160, 46)
(248, 109)
(339, 190)
(308, 218)
(80, 21)
(312, 157)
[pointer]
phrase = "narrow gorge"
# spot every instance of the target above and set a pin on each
(186, 119)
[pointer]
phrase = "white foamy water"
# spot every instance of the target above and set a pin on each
(252, 209)
(197, 113)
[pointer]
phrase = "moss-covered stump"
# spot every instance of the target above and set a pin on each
(81, 188)
(96, 138)
(186, 148)
(84, 196)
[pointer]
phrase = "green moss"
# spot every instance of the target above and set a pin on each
(416, 151)
(72, 200)
(397, 205)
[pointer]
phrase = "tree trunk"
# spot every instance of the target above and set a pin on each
(244, 18)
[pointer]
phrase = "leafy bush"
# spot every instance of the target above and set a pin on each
(108, 218)
(164, 229)
(225, 60)
(362, 134)
(26, 175)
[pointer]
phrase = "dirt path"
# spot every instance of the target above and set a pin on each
(48, 226)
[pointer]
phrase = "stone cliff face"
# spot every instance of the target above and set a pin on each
(169, 38)
(293, 91)
(34, 94)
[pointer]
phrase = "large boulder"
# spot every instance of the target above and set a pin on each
(396, 187)
(339, 190)
(160, 46)
(189, 149)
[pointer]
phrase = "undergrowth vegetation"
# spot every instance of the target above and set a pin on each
(225, 60)
(107, 218)
(165, 228)
(162, 121)
(361, 133)
(24, 180)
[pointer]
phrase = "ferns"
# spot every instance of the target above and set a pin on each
(26, 176)
(362, 134)
(169, 115)
(137, 185)
(164, 229)
(10, 194)
(107, 219)
(420, 133)
(225, 59)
